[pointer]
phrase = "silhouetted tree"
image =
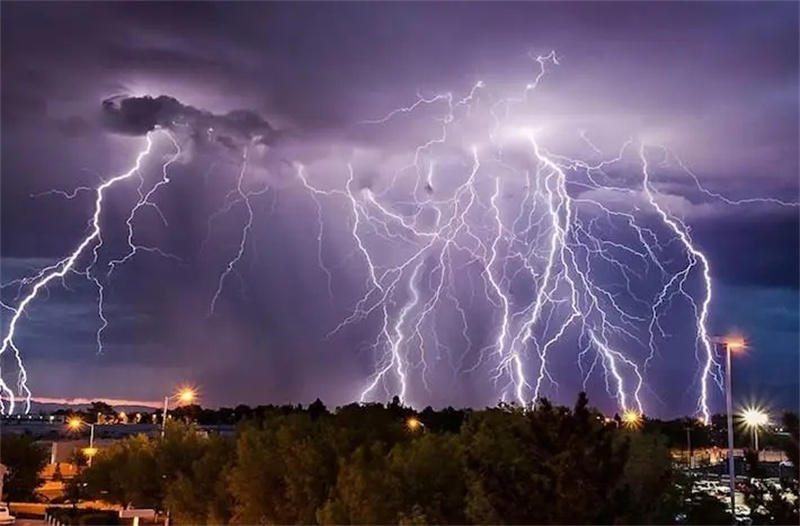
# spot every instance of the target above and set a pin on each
(100, 409)
(317, 409)
(25, 460)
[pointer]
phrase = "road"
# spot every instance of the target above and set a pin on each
(29, 522)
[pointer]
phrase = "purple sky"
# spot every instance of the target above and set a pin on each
(716, 83)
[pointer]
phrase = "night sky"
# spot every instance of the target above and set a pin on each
(716, 83)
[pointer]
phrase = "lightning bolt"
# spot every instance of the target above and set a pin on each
(577, 237)
(244, 196)
(57, 272)
(478, 219)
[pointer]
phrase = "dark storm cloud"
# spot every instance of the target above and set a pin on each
(761, 250)
(141, 115)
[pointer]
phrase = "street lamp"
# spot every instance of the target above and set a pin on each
(753, 418)
(731, 344)
(185, 395)
(414, 423)
(75, 424)
(631, 419)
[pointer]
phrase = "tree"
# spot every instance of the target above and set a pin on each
(78, 459)
(75, 490)
(127, 473)
(429, 471)
(99, 410)
(25, 460)
(317, 409)
(283, 472)
(201, 496)
(648, 487)
(367, 491)
(508, 481)
(791, 446)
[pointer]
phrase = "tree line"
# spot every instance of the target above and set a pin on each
(376, 464)
(387, 464)
(449, 419)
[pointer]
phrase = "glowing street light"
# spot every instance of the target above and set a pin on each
(414, 423)
(185, 395)
(75, 424)
(753, 418)
(731, 344)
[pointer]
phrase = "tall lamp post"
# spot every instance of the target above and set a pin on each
(730, 344)
(75, 424)
(185, 395)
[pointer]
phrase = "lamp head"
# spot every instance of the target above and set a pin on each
(74, 423)
(413, 423)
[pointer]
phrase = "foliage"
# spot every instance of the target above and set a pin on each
(200, 495)
(127, 473)
(75, 490)
(791, 446)
(25, 460)
(78, 458)
(362, 464)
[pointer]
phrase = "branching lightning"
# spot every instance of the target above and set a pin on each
(558, 257)
(555, 254)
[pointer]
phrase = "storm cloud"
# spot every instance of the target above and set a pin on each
(142, 115)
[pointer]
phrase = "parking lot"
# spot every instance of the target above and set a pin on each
(718, 487)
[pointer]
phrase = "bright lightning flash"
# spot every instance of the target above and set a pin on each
(482, 218)
(529, 226)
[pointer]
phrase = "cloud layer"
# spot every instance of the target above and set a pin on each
(141, 115)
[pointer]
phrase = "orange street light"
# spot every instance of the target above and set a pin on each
(74, 423)
(414, 423)
(734, 343)
(185, 395)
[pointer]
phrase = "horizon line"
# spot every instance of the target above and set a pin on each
(86, 401)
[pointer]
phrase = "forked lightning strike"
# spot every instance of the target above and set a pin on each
(481, 217)
(520, 218)
(48, 275)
